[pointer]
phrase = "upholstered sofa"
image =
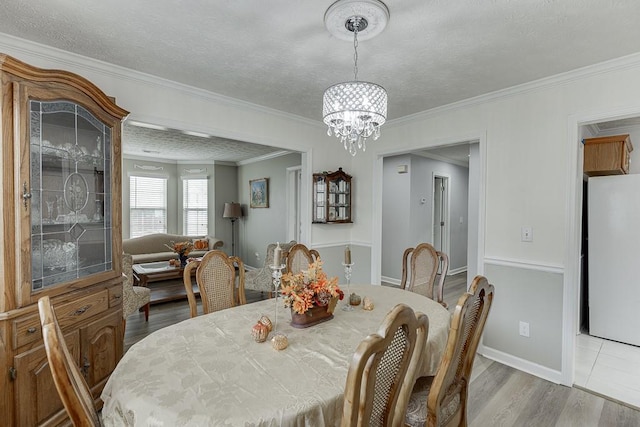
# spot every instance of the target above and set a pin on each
(151, 248)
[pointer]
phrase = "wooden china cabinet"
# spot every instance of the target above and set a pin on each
(60, 227)
(332, 197)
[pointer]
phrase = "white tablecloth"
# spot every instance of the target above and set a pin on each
(208, 371)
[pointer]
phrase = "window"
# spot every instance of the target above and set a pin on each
(195, 206)
(148, 205)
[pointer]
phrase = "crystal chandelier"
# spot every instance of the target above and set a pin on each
(355, 110)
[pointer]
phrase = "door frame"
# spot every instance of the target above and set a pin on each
(573, 225)
(446, 237)
(293, 203)
(475, 266)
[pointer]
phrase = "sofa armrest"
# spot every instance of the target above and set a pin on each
(214, 243)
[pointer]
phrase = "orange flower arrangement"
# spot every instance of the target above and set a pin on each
(181, 248)
(309, 288)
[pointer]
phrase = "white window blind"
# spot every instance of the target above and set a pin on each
(195, 206)
(148, 205)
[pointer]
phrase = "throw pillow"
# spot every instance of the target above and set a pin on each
(201, 244)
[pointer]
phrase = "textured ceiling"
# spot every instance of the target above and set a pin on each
(278, 53)
(175, 145)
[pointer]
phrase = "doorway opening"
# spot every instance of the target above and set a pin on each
(600, 365)
(410, 209)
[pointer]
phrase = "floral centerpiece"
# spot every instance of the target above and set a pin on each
(309, 289)
(182, 249)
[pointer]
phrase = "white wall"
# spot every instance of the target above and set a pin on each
(396, 192)
(529, 138)
(261, 226)
(528, 171)
(224, 190)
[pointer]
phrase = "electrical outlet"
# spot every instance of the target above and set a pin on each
(524, 329)
(257, 254)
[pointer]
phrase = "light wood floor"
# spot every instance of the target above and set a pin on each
(498, 394)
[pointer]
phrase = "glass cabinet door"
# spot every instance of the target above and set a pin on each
(332, 197)
(320, 195)
(70, 176)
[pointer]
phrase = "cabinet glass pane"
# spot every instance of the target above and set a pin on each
(70, 173)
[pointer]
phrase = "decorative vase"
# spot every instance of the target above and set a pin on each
(313, 316)
(183, 260)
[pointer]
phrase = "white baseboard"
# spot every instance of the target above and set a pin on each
(521, 364)
(457, 271)
(395, 282)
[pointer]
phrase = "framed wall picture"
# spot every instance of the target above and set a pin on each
(259, 193)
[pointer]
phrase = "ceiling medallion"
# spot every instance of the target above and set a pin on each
(355, 110)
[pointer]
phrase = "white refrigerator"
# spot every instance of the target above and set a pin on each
(614, 257)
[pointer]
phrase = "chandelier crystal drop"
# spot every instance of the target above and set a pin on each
(354, 111)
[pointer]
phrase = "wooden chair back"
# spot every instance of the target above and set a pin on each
(383, 370)
(443, 260)
(447, 401)
(216, 276)
(71, 385)
(299, 258)
(419, 269)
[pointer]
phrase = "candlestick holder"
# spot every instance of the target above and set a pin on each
(347, 275)
(276, 273)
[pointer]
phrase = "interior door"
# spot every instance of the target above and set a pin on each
(440, 212)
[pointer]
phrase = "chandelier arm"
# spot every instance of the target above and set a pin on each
(356, 25)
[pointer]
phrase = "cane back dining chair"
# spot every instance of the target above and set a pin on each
(420, 268)
(72, 388)
(383, 369)
(299, 258)
(442, 400)
(261, 279)
(216, 276)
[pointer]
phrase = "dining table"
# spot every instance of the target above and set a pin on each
(209, 370)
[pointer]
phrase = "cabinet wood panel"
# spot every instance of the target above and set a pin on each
(61, 228)
(36, 397)
(607, 155)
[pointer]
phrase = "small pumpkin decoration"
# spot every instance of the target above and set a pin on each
(279, 342)
(260, 332)
(354, 299)
(267, 322)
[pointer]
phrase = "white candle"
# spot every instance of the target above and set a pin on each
(277, 255)
(347, 255)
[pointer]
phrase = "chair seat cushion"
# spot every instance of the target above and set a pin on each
(417, 409)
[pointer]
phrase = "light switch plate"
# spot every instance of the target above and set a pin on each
(526, 234)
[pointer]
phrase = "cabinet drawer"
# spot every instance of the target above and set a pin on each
(27, 330)
(115, 296)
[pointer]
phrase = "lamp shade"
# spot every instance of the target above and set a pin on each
(232, 210)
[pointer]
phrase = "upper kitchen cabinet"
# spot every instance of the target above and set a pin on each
(608, 155)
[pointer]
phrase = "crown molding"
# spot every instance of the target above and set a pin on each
(617, 64)
(432, 156)
(66, 58)
(263, 158)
